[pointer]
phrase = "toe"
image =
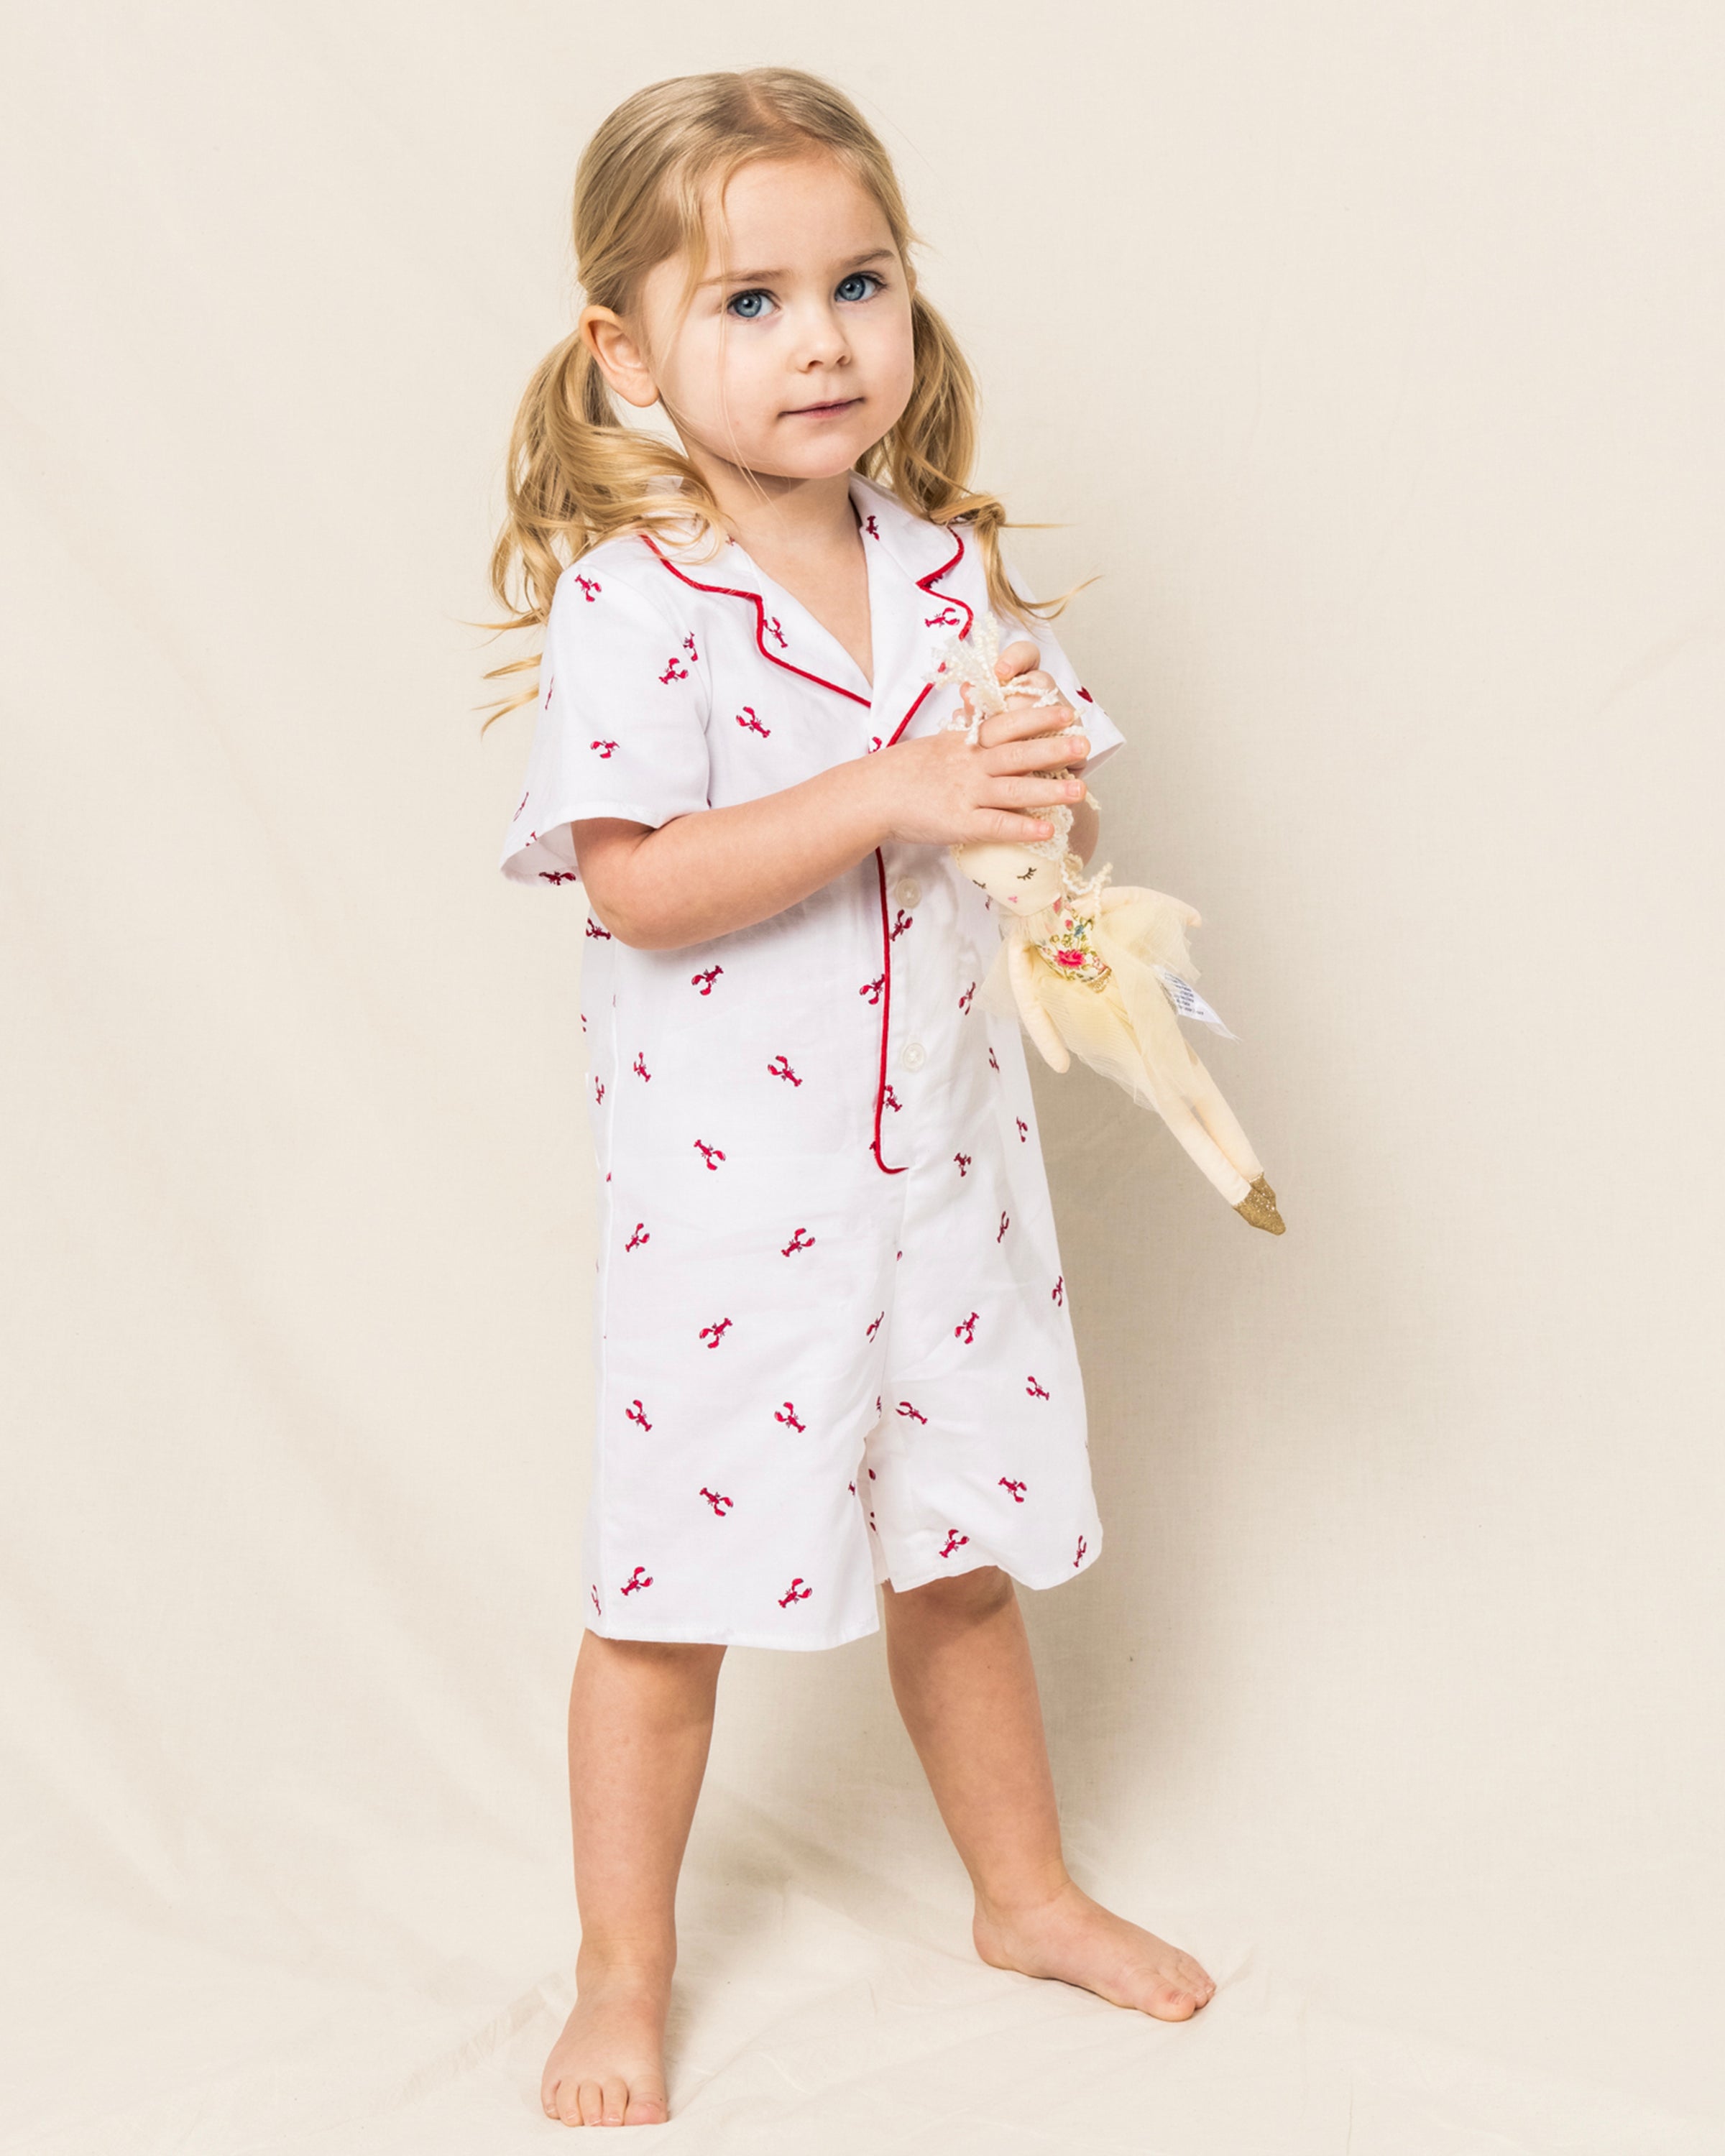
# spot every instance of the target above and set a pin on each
(614, 2091)
(592, 2103)
(569, 2102)
(646, 2108)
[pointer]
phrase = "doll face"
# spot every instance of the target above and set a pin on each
(1019, 881)
(794, 356)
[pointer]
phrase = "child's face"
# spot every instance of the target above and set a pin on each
(794, 356)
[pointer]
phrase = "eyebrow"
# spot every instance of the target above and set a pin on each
(772, 276)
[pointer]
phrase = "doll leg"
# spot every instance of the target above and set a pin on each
(961, 1671)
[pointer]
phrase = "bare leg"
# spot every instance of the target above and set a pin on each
(961, 1671)
(640, 1721)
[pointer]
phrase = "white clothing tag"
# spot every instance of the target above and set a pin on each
(1187, 1002)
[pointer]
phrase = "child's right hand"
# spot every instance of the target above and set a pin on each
(939, 790)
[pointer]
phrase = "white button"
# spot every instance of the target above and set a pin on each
(907, 891)
(913, 1055)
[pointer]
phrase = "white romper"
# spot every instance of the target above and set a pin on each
(833, 1341)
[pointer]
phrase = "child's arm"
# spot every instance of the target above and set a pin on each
(701, 875)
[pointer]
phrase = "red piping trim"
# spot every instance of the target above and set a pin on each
(730, 591)
(934, 576)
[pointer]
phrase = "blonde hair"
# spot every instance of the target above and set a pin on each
(576, 474)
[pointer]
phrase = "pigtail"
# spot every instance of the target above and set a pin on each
(575, 476)
(926, 459)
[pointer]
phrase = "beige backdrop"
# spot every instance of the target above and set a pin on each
(1373, 353)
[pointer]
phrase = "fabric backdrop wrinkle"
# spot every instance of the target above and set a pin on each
(1372, 356)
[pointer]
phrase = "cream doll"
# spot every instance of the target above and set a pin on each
(1098, 970)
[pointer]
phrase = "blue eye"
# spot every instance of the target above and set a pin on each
(852, 287)
(748, 306)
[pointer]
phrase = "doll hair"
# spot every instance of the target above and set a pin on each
(576, 474)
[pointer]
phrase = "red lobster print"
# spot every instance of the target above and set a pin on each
(1034, 1390)
(563, 875)
(689, 646)
(715, 1332)
(642, 1235)
(1086, 695)
(750, 724)
(963, 1160)
(1057, 1293)
(635, 1412)
(780, 1067)
(948, 618)
(598, 934)
(876, 1326)
(910, 1413)
(788, 1415)
(710, 1154)
(599, 1091)
(594, 1592)
(899, 925)
(872, 528)
(638, 1579)
(721, 1504)
(523, 802)
(993, 1064)
(1024, 1129)
(1017, 1489)
(705, 980)
(1082, 1546)
(964, 1000)
(675, 670)
(891, 1101)
(965, 1330)
(796, 1591)
(801, 1239)
(1005, 1223)
(775, 631)
(871, 990)
(590, 589)
(874, 743)
(604, 749)
(954, 1541)
(640, 1066)
(549, 686)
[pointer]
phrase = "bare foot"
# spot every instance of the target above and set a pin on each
(608, 2067)
(1077, 1941)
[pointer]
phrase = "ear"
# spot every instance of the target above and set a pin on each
(620, 358)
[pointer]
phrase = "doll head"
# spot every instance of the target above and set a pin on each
(1018, 881)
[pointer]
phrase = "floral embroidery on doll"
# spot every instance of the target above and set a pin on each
(1068, 951)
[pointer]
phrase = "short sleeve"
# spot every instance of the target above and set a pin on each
(621, 728)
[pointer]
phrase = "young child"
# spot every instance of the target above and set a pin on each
(834, 1341)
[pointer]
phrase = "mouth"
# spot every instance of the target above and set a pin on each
(823, 411)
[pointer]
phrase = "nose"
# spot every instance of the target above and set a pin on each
(821, 339)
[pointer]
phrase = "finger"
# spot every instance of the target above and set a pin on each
(1019, 656)
(1035, 793)
(1019, 721)
(1038, 752)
